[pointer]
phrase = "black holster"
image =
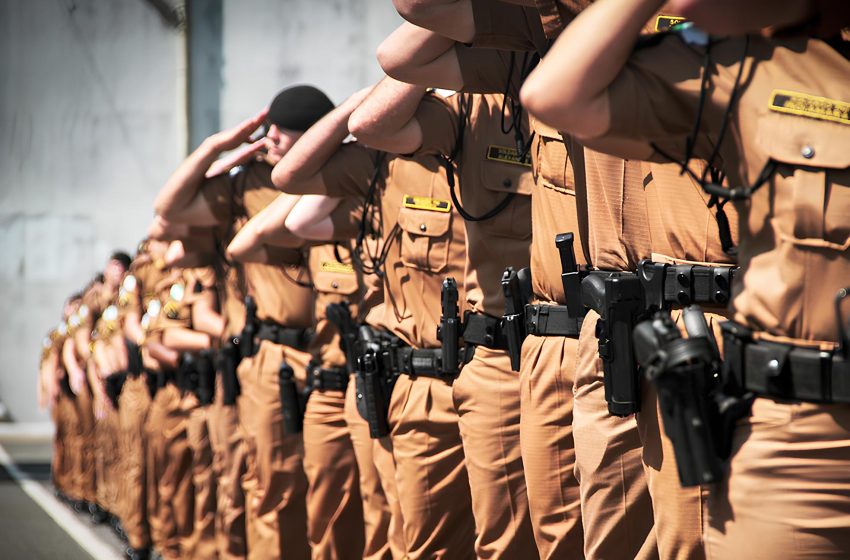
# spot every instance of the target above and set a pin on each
(374, 383)
(228, 361)
(618, 299)
(152, 381)
(205, 388)
(516, 287)
(113, 385)
(698, 416)
(293, 401)
(247, 340)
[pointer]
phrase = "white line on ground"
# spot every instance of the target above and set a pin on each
(76, 529)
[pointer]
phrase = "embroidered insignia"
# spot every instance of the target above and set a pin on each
(506, 154)
(74, 321)
(812, 106)
(171, 310)
(110, 313)
(83, 311)
(425, 203)
(336, 266)
(665, 23)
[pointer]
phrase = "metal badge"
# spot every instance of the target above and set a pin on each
(129, 283)
(176, 292)
(153, 308)
(110, 313)
(83, 311)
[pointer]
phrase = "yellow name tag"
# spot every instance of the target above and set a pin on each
(336, 266)
(664, 23)
(425, 203)
(506, 154)
(812, 106)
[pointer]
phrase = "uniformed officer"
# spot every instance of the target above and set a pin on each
(274, 482)
(608, 489)
(773, 112)
(423, 242)
(489, 176)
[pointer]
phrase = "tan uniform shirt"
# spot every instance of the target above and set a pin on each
(488, 170)
(281, 291)
(335, 282)
(793, 109)
(424, 232)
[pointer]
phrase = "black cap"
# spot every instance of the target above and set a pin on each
(299, 107)
(121, 257)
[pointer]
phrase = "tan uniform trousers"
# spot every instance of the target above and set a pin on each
(229, 467)
(169, 470)
(202, 543)
(334, 508)
(132, 413)
(384, 529)
(679, 512)
(61, 467)
(615, 504)
(431, 478)
(107, 461)
(274, 482)
(84, 447)
(487, 399)
(788, 490)
(546, 436)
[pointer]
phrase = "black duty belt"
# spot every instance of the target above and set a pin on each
(327, 379)
(784, 371)
(483, 330)
(681, 285)
(287, 336)
(166, 376)
(421, 362)
(551, 320)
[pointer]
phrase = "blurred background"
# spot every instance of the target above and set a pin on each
(99, 102)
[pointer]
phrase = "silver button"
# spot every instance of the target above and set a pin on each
(807, 152)
(423, 227)
(334, 285)
(773, 367)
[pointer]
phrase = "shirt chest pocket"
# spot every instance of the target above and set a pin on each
(331, 282)
(811, 185)
(502, 180)
(425, 238)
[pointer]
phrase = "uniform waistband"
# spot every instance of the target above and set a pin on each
(327, 379)
(784, 371)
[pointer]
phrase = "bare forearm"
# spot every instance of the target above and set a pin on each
(183, 185)
(385, 119)
(452, 18)
(415, 55)
(568, 90)
(185, 340)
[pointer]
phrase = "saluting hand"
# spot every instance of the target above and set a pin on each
(234, 138)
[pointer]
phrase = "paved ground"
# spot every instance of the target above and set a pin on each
(33, 523)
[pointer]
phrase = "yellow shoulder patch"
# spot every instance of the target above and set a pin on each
(507, 154)
(336, 266)
(812, 106)
(664, 23)
(425, 203)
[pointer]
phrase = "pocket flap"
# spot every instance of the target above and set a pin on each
(424, 222)
(803, 130)
(335, 278)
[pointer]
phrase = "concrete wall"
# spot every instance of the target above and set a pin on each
(93, 119)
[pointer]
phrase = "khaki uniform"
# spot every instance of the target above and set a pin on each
(225, 434)
(135, 295)
(334, 507)
(61, 412)
(487, 393)
(274, 481)
(384, 538)
(786, 493)
(169, 465)
(596, 503)
(426, 246)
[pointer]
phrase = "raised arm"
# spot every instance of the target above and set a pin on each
(266, 228)
(385, 120)
(303, 162)
(180, 199)
(451, 18)
(311, 218)
(569, 89)
(419, 56)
